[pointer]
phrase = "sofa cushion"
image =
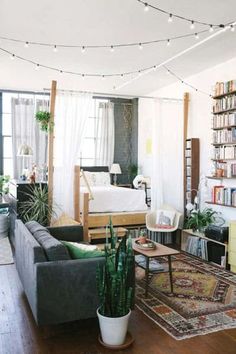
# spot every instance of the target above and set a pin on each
(54, 249)
(79, 250)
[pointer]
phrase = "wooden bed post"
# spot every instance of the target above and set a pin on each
(51, 142)
(85, 216)
(185, 134)
(77, 193)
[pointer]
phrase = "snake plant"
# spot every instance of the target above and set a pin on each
(115, 279)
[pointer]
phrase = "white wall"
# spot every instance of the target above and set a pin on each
(199, 119)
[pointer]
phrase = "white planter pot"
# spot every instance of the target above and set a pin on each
(113, 329)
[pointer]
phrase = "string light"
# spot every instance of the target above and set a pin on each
(37, 67)
(61, 72)
(211, 29)
(192, 26)
(140, 46)
(112, 48)
(146, 7)
(232, 28)
(168, 43)
(170, 72)
(55, 49)
(196, 36)
(12, 56)
(26, 45)
(119, 45)
(186, 19)
(170, 19)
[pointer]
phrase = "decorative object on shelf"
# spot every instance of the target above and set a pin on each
(115, 170)
(43, 118)
(115, 283)
(199, 220)
(24, 151)
(36, 206)
(148, 245)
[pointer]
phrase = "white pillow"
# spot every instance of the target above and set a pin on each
(102, 178)
(90, 178)
(165, 217)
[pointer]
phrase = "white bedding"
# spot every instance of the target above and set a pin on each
(115, 199)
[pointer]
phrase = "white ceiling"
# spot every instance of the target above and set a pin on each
(108, 22)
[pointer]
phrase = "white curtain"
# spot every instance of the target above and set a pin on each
(25, 130)
(71, 112)
(167, 155)
(105, 137)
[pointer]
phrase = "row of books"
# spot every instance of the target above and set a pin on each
(224, 136)
(224, 103)
(224, 120)
(224, 152)
(224, 195)
(224, 87)
(197, 247)
(229, 169)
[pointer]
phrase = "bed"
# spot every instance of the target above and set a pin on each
(97, 200)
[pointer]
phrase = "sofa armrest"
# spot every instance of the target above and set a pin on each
(66, 290)
(72, 233)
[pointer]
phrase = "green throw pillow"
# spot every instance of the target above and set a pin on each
(78, 250)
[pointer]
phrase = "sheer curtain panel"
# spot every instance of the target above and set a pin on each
(105, 137)
(71, 112)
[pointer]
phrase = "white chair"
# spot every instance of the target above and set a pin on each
(162, 232)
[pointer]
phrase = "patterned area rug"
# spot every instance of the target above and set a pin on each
(204, 298)
(5, 252)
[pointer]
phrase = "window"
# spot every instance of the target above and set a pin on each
(6, 117)
(88, 147)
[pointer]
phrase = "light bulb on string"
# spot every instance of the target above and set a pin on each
(146, 7)
(83, 49)
(232, 28)
(211, 29)
(55, 49)
(26, 45)
(170, 18)
(112, 49)
(192, 26)
(12, 57)
(168, 42)
(37, 67)
(140, 46)
(154, 68)
(61, 72)
(83, 76)
(196, 36)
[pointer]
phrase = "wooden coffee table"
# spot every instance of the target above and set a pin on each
(159, 251)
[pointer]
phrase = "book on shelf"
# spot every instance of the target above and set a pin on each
(225, 103)
(224, 152)
(224, 136)
(224, 87)
(223, 120)
(224, 195)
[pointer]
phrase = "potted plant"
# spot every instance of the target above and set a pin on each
(115, 283)
(43, 118)
(199, 220)
(143, 236)
(36, 206)
(4, 184)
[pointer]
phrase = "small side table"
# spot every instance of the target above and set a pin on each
(159, 251)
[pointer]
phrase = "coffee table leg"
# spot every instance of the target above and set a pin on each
(147, 274)
(170, 272)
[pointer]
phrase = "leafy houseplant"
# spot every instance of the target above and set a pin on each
(4, 184)
(37, 207)
(115, 283)
(43, 118)
(199, 220)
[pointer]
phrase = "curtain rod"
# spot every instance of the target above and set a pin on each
(24, 92)
(120, 96)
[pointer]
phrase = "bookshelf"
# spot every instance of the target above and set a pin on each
(191, 170)
(224, 143)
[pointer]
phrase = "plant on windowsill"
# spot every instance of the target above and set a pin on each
(43, 118)
(116, 283)
(36, 206)
(199, 220)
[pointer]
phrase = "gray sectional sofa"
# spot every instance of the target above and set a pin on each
(58, 288)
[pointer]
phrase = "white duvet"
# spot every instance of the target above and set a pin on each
(115, 199)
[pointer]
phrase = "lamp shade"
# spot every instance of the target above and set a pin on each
(115, 169)
(24, 150)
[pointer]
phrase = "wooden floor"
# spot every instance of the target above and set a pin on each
(20, 335)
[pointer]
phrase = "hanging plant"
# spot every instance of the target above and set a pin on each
(43, 118)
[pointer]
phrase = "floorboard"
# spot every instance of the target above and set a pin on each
(20, 335)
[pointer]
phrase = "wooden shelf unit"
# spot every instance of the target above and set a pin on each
(191, 169)
(224, 95)
(223, 205)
